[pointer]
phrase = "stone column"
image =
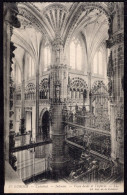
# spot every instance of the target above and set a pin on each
(89, 91)
(58, 96)
(9, 19)
(33, 124)
(23, 101)
(37, 98)
(6, 69)
(115, 76)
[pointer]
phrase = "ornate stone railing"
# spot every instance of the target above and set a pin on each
(90, 120)
(89, 176)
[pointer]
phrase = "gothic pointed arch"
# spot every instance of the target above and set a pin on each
(31, 16)
(41, 114)
(79, 13)
(98, 85)
(44, 89)
(30, 91)
(77, 87)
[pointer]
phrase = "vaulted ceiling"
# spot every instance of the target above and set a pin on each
(41, 6)
(45, 21)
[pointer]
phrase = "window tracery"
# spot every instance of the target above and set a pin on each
(77, 87)
(30, 91)
(47, 57)
(75, 54)
(44, 89)
(98, 63)
(97, 85)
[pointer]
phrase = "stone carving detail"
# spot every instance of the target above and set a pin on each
(55, 10)
(12, 157)
(51, 111)
(110, 30)
(110, 87)
(97, 85)
(11, 113)
(77, 87)
(11, 124)
(44, 89)
(78, 83)
(10, 17)
(28, 16)
(12, 48)
(25, 23)
(58, 49)
(34, 6)
(57, 91)
(10, 14)
(99, 96)
(110, 6)
(58, 79)
(30, 91)
(65, 113)
(116, 39)
(55, 6)
(119, 129)
(120, 110)
(56, 25)
(89, 6)
(11, 95)
(110, 74)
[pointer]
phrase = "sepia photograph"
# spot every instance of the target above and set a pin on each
(63, 71)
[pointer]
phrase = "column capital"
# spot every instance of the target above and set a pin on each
(115, 39)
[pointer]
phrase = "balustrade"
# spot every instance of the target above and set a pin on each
(89, 176)
(29, 166)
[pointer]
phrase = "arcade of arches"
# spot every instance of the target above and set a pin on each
(63, 88)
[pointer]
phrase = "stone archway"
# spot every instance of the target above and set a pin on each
(44, 125)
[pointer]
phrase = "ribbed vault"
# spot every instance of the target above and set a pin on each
(46, 21)
(62, 18)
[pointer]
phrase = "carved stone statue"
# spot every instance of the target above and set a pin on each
(58, 49)
(57, 91)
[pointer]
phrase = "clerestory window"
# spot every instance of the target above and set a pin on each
(76, 54)
(98, 63)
